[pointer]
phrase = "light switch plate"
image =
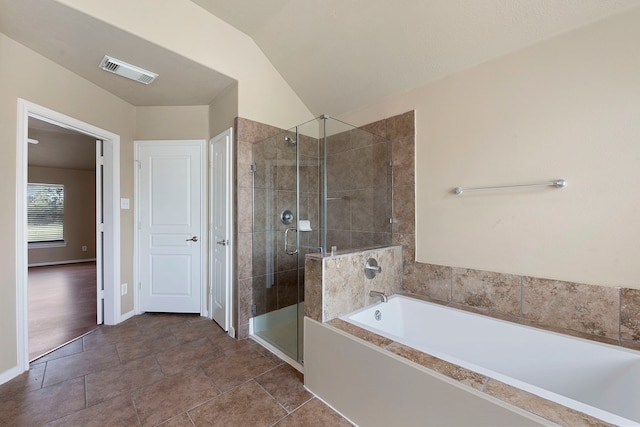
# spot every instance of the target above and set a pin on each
(124, 203)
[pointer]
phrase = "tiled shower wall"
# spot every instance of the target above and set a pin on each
(275, 273)
(358, 190)
(247, 133)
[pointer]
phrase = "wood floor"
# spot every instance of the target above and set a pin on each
(62, 305)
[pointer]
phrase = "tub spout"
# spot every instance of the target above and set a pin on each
(381, 295)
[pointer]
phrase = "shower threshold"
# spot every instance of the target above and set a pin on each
(280, 332)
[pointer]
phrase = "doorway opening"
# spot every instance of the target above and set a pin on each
(107, 234)
(63, 210)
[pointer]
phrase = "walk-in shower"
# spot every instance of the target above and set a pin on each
(319, 185)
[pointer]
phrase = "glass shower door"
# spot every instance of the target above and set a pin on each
(322, 184)
(277, 256)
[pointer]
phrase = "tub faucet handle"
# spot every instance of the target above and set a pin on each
(371, 268)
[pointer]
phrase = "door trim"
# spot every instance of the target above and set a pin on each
(111, 193)
(203, 220)
(227, 135)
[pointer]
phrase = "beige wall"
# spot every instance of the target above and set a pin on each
(184, 122)
(79, 214)
(565, 108)
(25, 74)
(223, 111)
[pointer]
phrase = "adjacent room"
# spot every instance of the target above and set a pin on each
(61, 234)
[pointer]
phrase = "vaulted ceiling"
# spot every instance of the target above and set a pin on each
(336, 55)
(339, 55)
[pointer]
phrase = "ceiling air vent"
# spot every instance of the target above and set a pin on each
(129, 71)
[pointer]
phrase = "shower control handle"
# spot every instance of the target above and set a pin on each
(371, 268)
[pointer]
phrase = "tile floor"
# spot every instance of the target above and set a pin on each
(161, 369)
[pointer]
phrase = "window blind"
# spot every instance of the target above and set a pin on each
(45, 213)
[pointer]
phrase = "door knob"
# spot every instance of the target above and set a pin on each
(193, 239)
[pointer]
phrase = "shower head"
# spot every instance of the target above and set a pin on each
(293, 142)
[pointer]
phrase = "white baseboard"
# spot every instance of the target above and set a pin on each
(232, 332)
(9, 374)
(72, 261)
(127, 316)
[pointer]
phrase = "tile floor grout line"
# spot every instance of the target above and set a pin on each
(86, 392)
(195, 407)
(44, 372)
(273, 397)
(313, 396)
(135, 408)
(193, 423)
(267, 371)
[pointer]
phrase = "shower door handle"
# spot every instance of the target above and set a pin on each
(286, 241)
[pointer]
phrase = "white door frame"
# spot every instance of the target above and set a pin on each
(203, 216)
(111, 196)
(228, 136)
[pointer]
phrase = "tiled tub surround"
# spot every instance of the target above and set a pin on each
(605, 314)
(590, 377)
(336, 285)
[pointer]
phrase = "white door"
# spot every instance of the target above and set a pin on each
(170, 225)
(220, 228)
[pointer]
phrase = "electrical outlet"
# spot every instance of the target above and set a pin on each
(123, 289)
(84, 248)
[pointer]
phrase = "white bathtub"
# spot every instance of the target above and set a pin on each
(598, 379)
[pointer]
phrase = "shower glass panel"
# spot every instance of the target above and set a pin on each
(359, 187)
(321, 184)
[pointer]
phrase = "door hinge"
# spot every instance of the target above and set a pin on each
(253, 167)
(101, 227)
(102, 294)
(101, 160)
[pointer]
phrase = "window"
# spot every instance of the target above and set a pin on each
(45, 213)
